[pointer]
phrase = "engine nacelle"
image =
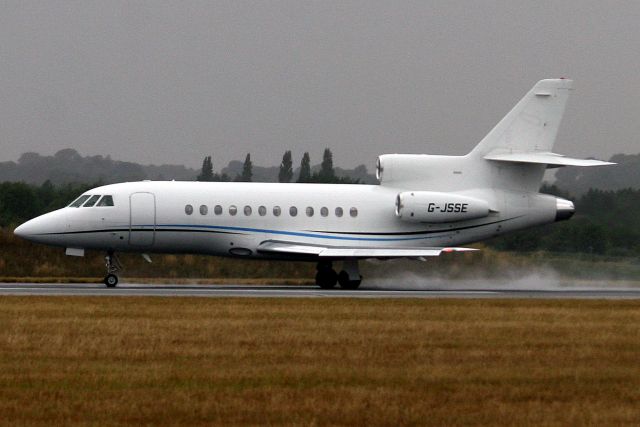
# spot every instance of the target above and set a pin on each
(435, 207)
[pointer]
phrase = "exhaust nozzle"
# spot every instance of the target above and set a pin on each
(564, 209)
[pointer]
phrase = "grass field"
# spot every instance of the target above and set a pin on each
(197, 361)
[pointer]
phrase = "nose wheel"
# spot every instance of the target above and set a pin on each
(113, 265)
(111, 280)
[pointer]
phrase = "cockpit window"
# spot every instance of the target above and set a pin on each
(92, 201)
(79, 201)
(106, 201)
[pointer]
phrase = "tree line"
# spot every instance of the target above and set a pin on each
(326, 174)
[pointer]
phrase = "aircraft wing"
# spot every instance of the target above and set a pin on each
(290, 248)
(550, 159)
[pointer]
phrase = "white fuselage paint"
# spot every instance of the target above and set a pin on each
(150, 217)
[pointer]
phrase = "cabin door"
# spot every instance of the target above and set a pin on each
(142, 225)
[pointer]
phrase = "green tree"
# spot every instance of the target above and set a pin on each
(286, 168)
(221, 177)
(305, 169)
(592, 238)
(554, 191)
(18, 203)
(247, 170)
(46, 193)
(207, 170)
(327, 173)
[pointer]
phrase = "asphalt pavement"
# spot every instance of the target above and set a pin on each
(270, 291)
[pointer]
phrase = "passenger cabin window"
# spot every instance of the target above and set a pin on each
(262, 211)
(293, 211)
(217, 210)
(92, 201)
(203, 209)
(247, 210)
(233, 210)
(188, 209)
(324, 211)
(79, 201)
(309, 211)
(277, 211)
(339, 212)
(105, 201)
(353, 212)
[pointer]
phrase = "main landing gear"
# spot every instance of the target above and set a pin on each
(348, 278)
(113, 265)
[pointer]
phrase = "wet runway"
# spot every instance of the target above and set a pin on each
(230, 290)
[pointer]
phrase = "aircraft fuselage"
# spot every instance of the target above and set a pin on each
(233, 219)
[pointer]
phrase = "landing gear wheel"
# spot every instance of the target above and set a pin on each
(326, 277)
(113, 265)
(345, 283)
(111, 280)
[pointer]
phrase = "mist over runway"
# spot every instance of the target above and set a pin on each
(271, 291)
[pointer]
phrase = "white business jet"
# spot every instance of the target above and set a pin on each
(424, 205)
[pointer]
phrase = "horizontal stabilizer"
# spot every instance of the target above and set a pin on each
(291, 248)
(551, 159)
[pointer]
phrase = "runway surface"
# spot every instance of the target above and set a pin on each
(229, 290)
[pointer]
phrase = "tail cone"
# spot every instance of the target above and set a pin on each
(564, 209)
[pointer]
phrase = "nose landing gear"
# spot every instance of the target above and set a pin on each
(113, 265)
(111, 280)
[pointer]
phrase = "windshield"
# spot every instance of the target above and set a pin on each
(79, 201)
(92, 201)
(88, 201)
(106, 201)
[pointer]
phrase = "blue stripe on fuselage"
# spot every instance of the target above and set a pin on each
(291, 233)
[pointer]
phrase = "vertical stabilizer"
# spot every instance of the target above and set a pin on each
(532, 125)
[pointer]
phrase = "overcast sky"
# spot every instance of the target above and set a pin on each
(171, 82)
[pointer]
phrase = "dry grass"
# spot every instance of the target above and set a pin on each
(197, 361)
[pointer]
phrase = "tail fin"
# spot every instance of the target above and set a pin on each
(512, 157)
(532, 125)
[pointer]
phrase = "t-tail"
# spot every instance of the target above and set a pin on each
(505, 169)
(513, 156)
(520, 146)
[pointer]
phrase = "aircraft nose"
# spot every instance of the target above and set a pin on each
(39, 229)
(25, 230)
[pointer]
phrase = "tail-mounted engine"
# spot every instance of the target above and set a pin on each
(435, 207)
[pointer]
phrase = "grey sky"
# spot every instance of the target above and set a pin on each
(171, 82)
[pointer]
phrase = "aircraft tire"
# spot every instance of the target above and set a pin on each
(326, 278)
(111, 280)
(345, 283)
